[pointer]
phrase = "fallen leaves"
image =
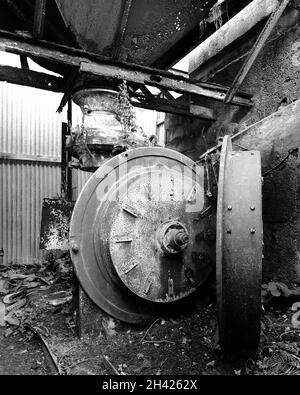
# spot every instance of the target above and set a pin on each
(145, 364)
(39, 332)
(282, 359)
(277, 289)
(295, 320)
(17, 305)
(11, 298)
(109, 325)
(211, 364)
(19, 282)
(8, 332)
(184, 340)
(12, 319)
(2, 314)
(3, 289)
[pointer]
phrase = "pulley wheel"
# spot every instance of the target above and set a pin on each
(136, 234)
(239, 249)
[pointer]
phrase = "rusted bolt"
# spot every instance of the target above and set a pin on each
(252, 208)
(229, 208)
(252, 231)
(228, 230)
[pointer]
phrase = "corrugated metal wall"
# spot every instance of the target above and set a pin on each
(30, 155)
(30, 132)
(79, 178)
(29, 123)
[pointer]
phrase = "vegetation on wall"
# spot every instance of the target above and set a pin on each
(126, 114)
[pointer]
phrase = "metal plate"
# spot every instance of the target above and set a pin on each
(154, 206)
(113, 207)
(56, 216)
(239, 249)
(138, 31)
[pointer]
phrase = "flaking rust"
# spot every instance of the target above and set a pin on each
(136, 258)
(56, 217)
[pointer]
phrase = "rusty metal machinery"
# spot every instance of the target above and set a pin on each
(137, 239)
(239, 249)
(100, 136)
(144, 237)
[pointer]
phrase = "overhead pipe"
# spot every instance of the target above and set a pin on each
(235, 28)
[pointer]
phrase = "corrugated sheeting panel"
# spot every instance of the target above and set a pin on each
(79, 179)
(23, 188)
(28, 125)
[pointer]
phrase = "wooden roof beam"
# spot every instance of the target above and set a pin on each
(31, 78)
(117, 71)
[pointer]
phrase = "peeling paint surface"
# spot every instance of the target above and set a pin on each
(56, 216)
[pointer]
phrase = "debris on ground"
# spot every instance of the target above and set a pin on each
(39, 334)
(278, 289)
(21, 283)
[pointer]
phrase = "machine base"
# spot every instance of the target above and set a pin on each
(90, 316)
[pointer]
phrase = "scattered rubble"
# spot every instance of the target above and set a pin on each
(36, 305)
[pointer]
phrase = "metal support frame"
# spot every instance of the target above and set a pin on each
(120, 35)
(141, 96)
(31, 78)
(53, 160)
(39, 18)
(68, 89)
(91, 64)
(27, 22)
(66, 172)
(24, 62)
(272, 21)
(159, 79)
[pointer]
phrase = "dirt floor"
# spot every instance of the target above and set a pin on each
(38, 334)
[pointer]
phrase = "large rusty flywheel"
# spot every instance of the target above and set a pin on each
(137, 237)
(144, 238)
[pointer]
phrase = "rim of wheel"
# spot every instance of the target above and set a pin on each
(239, 249)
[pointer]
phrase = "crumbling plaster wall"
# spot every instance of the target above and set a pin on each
(274, 82)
